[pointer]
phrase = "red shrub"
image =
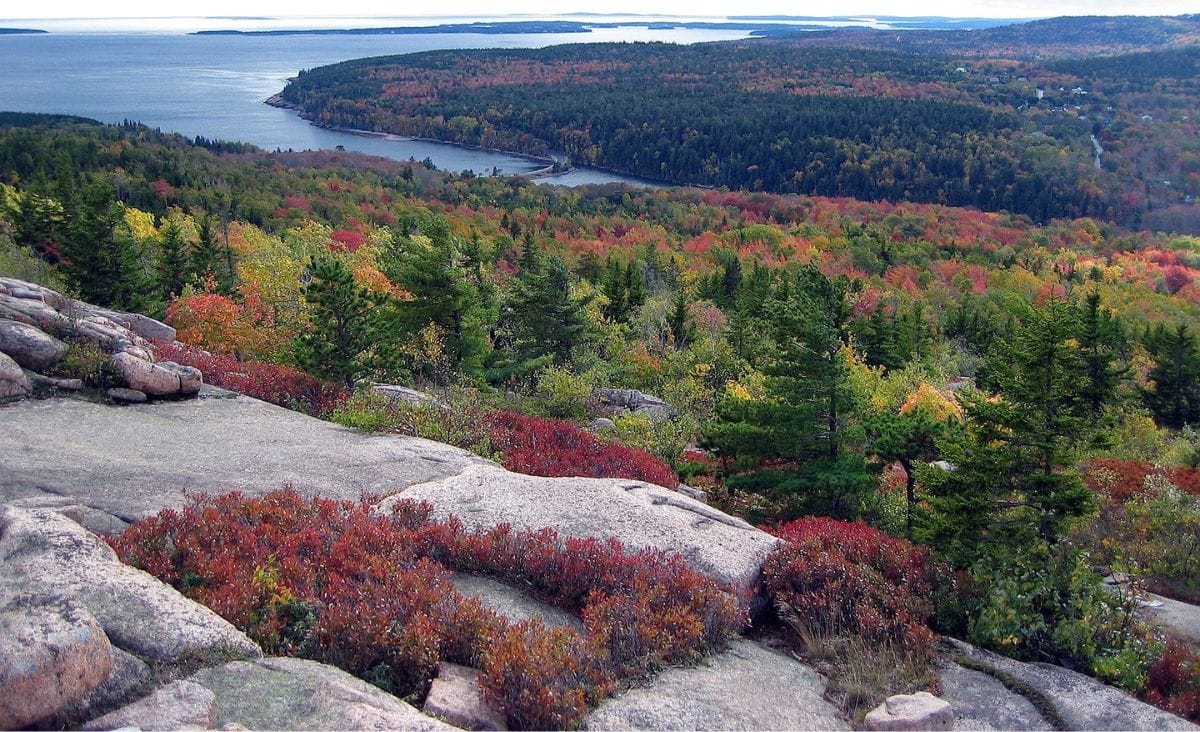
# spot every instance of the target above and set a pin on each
(282, 385)
(1174, 681)
(1124, 479)
(344, 240)
(849, 579)
(556, 448)
(339, 583)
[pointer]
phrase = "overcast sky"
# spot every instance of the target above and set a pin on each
(952, 8)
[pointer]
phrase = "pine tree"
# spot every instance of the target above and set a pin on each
(104, 265)
(615, 286)
(1098, 332)
(173, 261)
(680, 321)
(1013, 484)
(1174, 397)
(344, 323)
(429, 266)
(803, 421)
(210, 259)
(540, 322)
(907, 439)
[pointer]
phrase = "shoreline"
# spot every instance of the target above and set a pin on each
(548, 161)
(538, 174)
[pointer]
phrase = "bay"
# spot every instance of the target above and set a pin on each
(215, 86)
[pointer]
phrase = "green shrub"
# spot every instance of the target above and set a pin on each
(87, 361)
(565, 395)
(666, 439)
(1053, 606)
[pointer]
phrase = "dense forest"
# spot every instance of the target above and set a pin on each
(819, 356)
(1112, 137)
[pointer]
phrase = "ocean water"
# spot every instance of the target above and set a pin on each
(215, 86)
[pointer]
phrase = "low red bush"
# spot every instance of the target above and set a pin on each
(1124, 479)
(1173, 681)
(557, 448)
(337, 582)
(848, 579)
(282, 385)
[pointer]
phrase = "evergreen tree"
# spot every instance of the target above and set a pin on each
(803, 420)
(680, 321)
(540, 322)
(907, 439)
(344, 323)
(210, 258)
(430, 267)
(1174, 397)
(635, 287)
(1013, 484)
(102, 263)
(614, 284)
(1098, 333)
(172, 261)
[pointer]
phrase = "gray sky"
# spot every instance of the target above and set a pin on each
(952, 8)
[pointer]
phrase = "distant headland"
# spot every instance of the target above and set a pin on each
(19, 31)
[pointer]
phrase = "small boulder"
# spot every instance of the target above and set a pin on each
(405, 394)
(190, 377)
(126, 396)
(919, 711)
(29, 346)
(455, 696)
(602, 424)
(146, 377)
(53, 652)
(178, 705)
(13, 381)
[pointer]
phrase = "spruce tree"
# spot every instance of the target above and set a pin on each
(1174, 396)
(680, 321)
(344, 323)
(429, 266)
(173, 261)
(1014, 485)
(101, 262)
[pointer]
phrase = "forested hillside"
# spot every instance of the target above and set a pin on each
(819, 356)
(962, 125)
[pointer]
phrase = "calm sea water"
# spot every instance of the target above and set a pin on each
(215, 85)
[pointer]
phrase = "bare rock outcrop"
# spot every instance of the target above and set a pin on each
(36, 321)
(43, 548)
(1080, 702)
(747, 687)
(639, 515)
(53, 652)
(456, 697)
(290, 693)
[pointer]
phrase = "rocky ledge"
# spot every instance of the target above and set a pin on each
(38, 326)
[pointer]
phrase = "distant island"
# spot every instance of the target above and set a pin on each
(19, 31)
(520, 26)
(760, 27)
